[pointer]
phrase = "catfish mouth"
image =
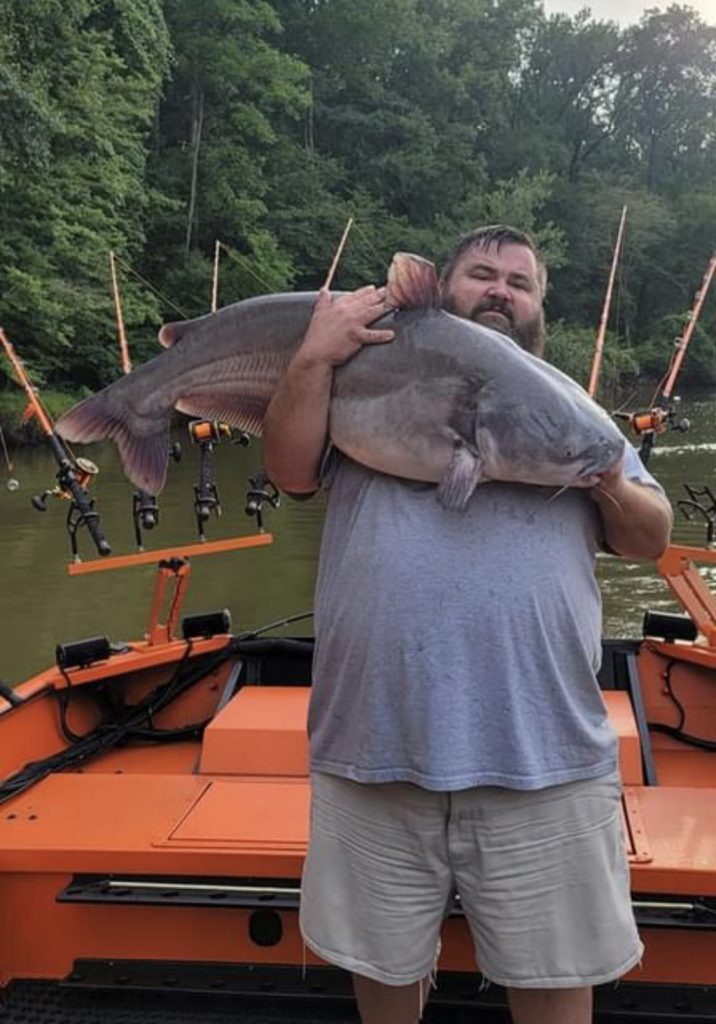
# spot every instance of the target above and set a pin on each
(601, 463)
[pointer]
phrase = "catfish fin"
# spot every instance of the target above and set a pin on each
(412, 282)
(240, 394)
(105, 416)
(171, 333)
(246, 414)
(463, 475)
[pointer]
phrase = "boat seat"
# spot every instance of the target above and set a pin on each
(623, 720)
(261, 731)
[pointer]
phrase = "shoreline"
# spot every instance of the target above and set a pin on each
(21, 433)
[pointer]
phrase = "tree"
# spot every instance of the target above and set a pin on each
(91, 71)
(667, 98)
(231, 93)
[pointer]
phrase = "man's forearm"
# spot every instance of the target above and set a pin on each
(296, 421)
(296, 425)
(637, 519)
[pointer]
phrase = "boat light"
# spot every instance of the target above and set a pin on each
(669, 627)
(205, 626)
(81, 653)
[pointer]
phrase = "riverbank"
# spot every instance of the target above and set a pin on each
(19, 431)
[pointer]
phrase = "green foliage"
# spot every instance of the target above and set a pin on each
(232, 95)
(93, 70)
(571, 349)
(156, 127)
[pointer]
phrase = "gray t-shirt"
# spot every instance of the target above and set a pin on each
(458, 649)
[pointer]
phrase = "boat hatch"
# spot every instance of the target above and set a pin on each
(246, 815)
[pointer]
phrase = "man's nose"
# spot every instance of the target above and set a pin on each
(499, 290)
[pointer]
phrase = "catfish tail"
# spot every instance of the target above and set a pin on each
(142, 441)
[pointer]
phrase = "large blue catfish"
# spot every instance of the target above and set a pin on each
(448, 401)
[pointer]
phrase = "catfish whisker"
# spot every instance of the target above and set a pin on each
(553, 497)
(610, 497)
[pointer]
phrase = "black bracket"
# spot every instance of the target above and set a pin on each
(261, 492)
(701, 501)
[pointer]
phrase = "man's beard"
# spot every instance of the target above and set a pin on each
(499, 316)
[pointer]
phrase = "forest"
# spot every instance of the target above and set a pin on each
(157, 128)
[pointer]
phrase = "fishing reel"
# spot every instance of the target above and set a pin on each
(206, 434)
(655, 421)
(73, 479)
(84, 472)
(145, 508)
(650, 423)
(214, 431)
(261, 492)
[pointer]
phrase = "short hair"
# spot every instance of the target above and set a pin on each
(499, 235)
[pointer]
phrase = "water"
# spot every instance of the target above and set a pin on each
(42, 606)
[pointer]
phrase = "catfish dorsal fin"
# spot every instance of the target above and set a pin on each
(170, 334)
(412, 281)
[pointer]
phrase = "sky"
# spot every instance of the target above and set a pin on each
(626, 12)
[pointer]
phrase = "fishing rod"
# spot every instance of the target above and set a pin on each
(145, 508)
(661, 415)
(215, 277)
(601, 332)
(11, 483)
(73, 475)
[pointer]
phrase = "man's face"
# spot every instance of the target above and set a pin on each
(499, 287)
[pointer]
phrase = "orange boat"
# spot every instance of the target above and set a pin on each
(153, 823)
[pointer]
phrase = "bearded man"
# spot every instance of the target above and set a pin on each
(458, 739)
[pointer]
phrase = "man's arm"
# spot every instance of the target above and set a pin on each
(296, 424)
(637, 519)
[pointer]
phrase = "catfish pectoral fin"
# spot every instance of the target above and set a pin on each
(144, 456)
(463, 475)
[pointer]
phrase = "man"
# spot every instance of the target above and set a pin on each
(458, 737)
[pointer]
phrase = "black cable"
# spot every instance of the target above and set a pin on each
(133, 723)
(676, 731)
(64, 698)
(106, 736)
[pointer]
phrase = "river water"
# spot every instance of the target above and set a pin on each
(42, 606)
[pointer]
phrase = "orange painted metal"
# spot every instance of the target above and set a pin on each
(638, 849)
(163, 632)
(677, 566)
(213, 547)
(621, 717)
(234, 804)
(124, 932)
(261, 732)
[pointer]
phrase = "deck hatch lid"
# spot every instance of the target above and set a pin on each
(245, 815)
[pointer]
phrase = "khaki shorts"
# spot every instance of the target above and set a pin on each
(542, 877)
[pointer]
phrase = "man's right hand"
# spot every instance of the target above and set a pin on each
(339, 325)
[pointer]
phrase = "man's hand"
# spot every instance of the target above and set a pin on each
(637, 519)
(296, 423)
(339, 326)
(610, 482)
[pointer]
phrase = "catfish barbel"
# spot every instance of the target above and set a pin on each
(448, 401)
